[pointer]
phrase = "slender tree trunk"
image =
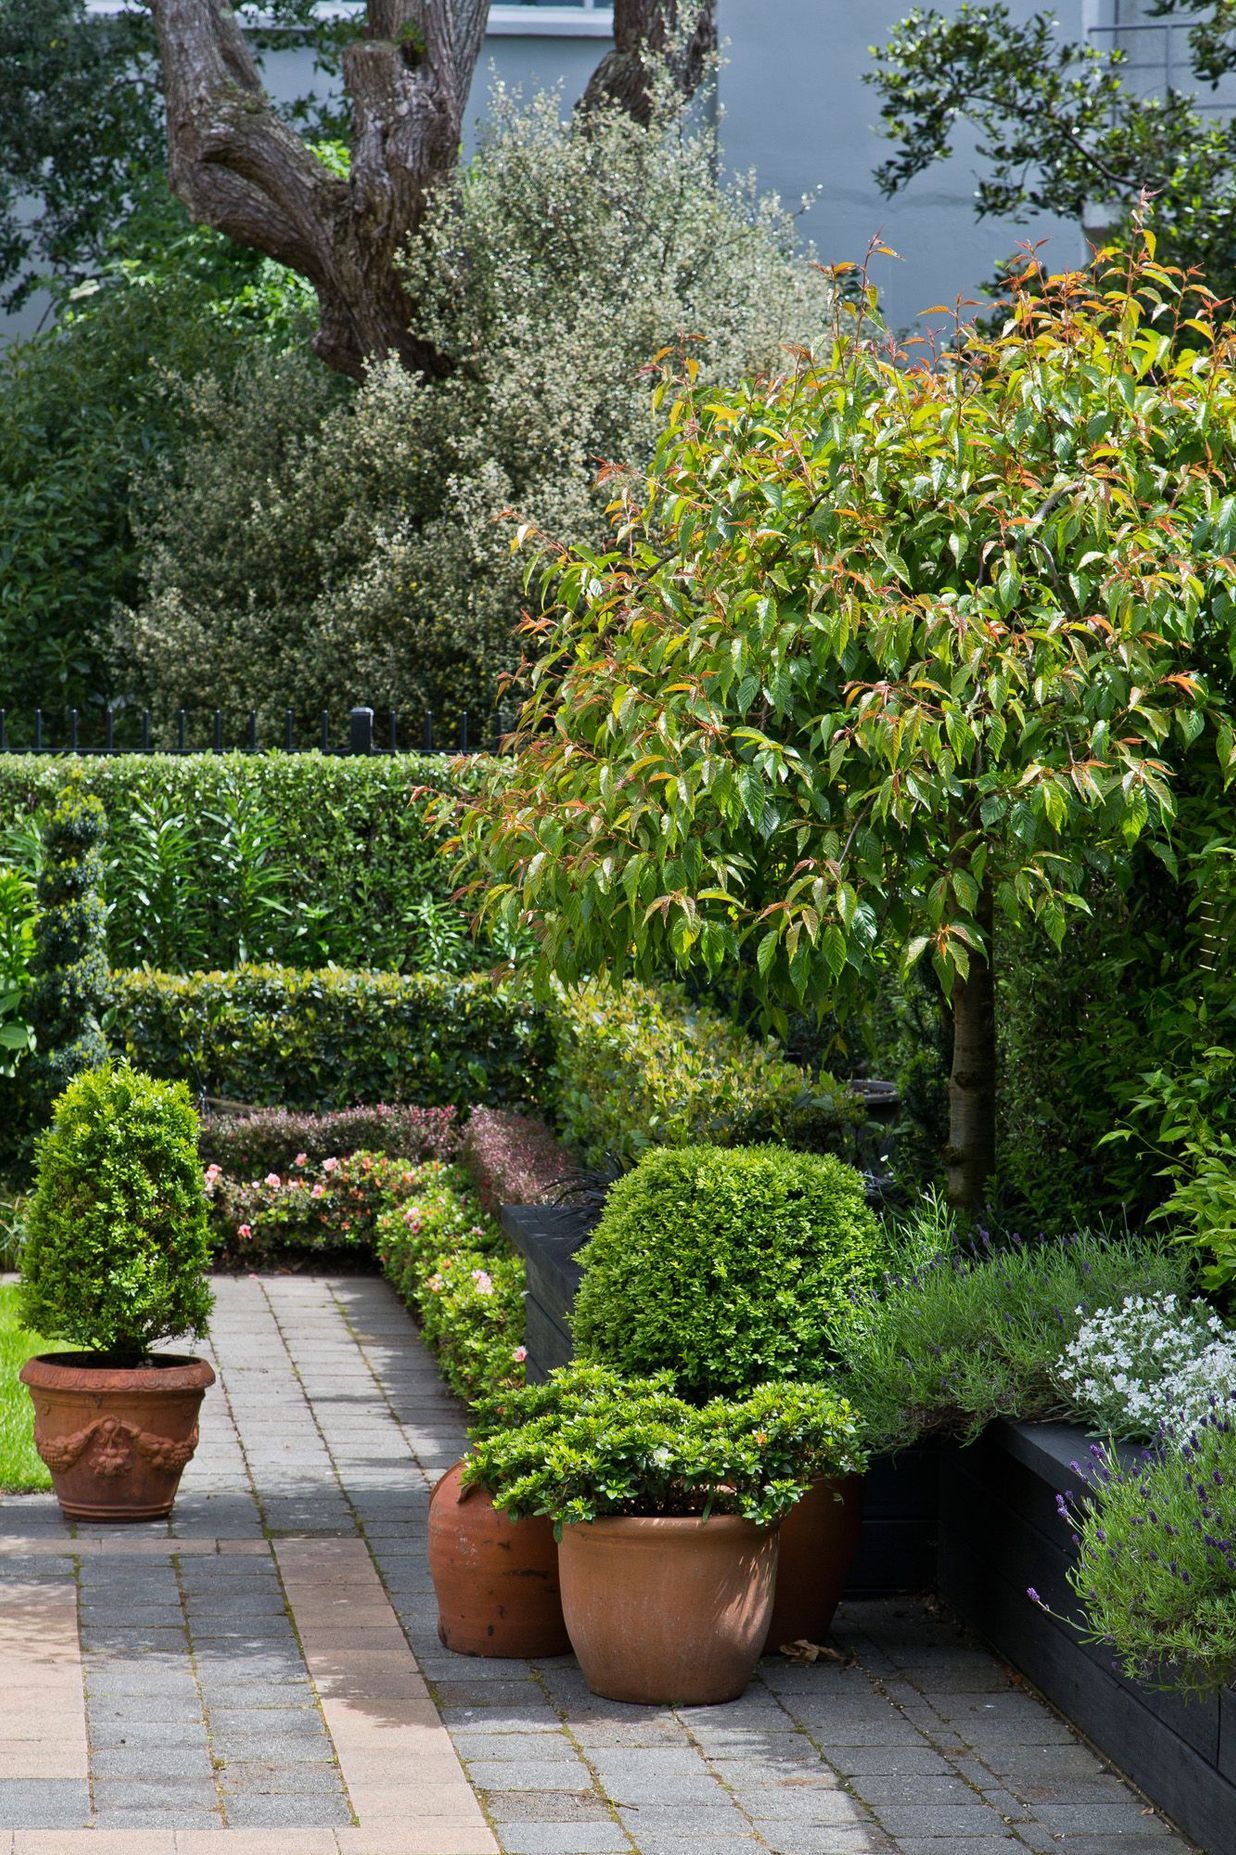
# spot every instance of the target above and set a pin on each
(646, 32)
(972, 1084)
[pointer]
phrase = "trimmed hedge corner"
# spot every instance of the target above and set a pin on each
(271, 1140)
(636, 1067)
(272, 1036)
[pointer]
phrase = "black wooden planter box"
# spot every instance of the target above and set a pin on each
(897, 1550)
(1000, 1533)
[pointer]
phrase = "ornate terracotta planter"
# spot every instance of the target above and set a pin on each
(496, 1579)
(819, 1538)
(116, 1439)
(668, 1611)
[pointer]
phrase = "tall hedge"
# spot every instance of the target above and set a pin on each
(274, 1036)
(341, 848)
(68, 984)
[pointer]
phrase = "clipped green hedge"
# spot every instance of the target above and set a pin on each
(637, 1067)
(319, 858)
(273, 1036)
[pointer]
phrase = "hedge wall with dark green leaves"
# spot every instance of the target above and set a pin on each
(276, 1036)
(307, 859)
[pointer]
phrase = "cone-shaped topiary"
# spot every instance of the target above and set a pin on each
(69, 968)
(116, 1246)
(727, 1267)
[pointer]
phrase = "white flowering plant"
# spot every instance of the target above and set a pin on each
(1154, 1365)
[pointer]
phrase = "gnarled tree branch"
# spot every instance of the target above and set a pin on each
(238, 167)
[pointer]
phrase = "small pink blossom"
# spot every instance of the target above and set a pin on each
(484, 1281)
(435, 1284)
(302, 1159)
(213, 1172)
(519, 1354)
(330, 1165)
(245, 1230)
(274, 1181)
(319, 1191)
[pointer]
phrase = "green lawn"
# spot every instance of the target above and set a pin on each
(20, 1468)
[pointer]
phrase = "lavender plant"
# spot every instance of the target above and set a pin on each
(959, 1336)
(1156, 1558)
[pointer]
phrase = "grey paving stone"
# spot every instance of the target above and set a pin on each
(824, 1839)
(502, 1774)
(879, 1788)
(268, 1777)
(960, 1821)
(813, 1804)
(44, 1803)
(284, 1748)
(156, 1793)
(252, 1811)
(549, 1838)
(478, 1742)
(143, 1818)
(120, 1730)
(547, 1807)
(167, 1763)
(943, 1845)
(1096, 1819)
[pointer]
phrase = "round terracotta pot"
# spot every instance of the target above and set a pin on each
(819, 1537)
(668, 1611)
(116, 1438)
(496, 1579)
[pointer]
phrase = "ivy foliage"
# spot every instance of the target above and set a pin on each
(116, 1245)
(882, 640)
(726, 1267)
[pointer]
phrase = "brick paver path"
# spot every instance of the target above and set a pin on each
(262, 1675)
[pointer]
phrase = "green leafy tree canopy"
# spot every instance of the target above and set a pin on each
(883, 647)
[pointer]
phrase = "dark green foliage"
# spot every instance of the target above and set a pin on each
(956, 1338)
(68, 986)
(590, 1443)
(305, 859)
(726, 1267)
(636, 1066)
(116, 1244)
(275, 1036)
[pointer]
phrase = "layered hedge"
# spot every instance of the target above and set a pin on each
(637, 1067)
(272, 1036)
(338, 852)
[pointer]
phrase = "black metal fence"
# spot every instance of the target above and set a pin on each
(128, 730)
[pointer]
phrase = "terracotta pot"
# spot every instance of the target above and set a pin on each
(116, 1438)
(668, 1611)
(819, 1538)
(496, 1579)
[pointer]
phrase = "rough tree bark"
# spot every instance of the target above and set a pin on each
(971, 1152)
(238, 167)
(647, 30)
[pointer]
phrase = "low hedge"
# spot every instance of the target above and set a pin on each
(270, 1139)
(636, 1067)
(274, 1036)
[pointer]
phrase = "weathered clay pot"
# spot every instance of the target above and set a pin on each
(496, 1579)
(116, 1438)
(819, 1537)
(668, 1611)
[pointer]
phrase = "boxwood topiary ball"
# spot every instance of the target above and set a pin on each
(726, 1266)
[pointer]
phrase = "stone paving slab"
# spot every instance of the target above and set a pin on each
(261, 1675)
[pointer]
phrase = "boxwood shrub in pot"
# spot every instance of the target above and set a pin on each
(114, 1261)
(727, 1267)
(667, 1514)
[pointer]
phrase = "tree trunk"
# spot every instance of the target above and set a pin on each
(972, 1084)
(237, 166)
(647, 32)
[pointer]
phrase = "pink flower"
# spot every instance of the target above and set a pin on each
(213, 1172)
(330, 1165)
(274, 1181)
(519, 1354)
(245, 1230)
(484, 1282)
(302, 1159)
(319, 1191)
(435, 1284)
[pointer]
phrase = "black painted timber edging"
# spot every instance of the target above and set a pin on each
(897, 1549)
(1000, 1533)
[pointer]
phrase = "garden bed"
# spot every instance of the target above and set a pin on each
(1000, 1532)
